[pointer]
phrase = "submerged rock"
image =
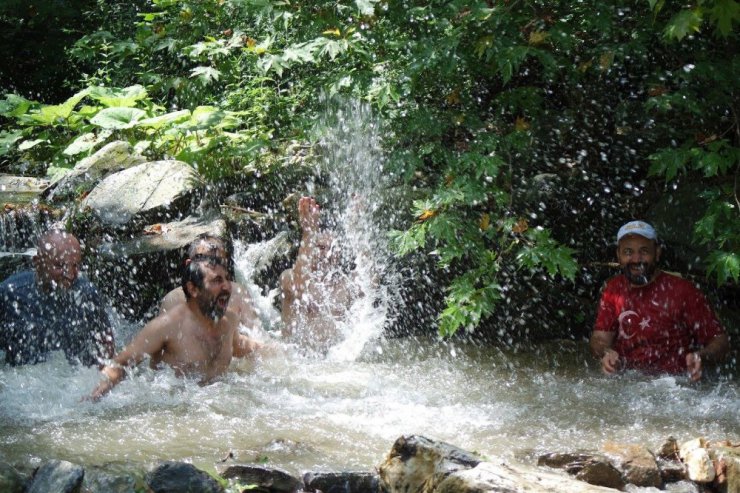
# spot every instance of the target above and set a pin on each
(341, 482)
(262, 479)
(180, 477)
(57, 476)
(11, 480)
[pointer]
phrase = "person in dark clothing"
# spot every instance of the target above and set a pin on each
(53, 308)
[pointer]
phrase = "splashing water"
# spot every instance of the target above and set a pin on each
(344, 411)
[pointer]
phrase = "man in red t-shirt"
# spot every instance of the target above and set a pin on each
(651, 320)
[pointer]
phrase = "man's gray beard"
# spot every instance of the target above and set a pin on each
(211, 310)
(640, 279)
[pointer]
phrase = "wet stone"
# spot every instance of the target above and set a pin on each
(559, 460)
(180, 477)
(262, 479)
(418, 464)
(669, 450)
(601, 473)
(97, 481)
(671, 471)
(341, 482)
(11, 481)
(638, 465)
(57, 476)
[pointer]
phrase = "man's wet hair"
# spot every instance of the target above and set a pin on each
(194, 273)
(215, 244)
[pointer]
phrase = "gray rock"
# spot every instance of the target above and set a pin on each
(157, 191)
(165, 237)
(560, 460)
(11, 480)
(420, 465)
(57, 476)
(103, 482)
(671, 471)
(180, 477)
(505, 477)
(637, 463)
(417, 464)
(262, 479)
(341, 482)
(90, 170)
(20, 189)
(727, 457)
(601, 474)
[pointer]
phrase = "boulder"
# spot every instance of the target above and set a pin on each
(262, 479)
(503, 477)
(601, 473)
(562, 460)
(157, 191)
(20, 189)
(417, 464)
(100, 481)
(341, 482)
(57, 476)
(637, 463)
(112, 157)
(699, 466)
(727, 458)
(671, 471)
(11, 480)
(180, 477)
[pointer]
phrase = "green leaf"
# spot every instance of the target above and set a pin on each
(724, 265)
(54, 114)
(669, 163)
(165, 120)
(114, 97)
(118, 118)
(86, 142)
(684, 23)
(366, 7)
(724, 13)
(14, 105)
(8, 140)
(30, 144)
(205, 74)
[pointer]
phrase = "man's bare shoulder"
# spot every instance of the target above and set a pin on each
(172, 299)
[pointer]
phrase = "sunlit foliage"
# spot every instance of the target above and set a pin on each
(488, 104)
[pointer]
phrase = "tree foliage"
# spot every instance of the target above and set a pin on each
(483, 99)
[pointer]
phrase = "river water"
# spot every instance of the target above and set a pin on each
(303, 413)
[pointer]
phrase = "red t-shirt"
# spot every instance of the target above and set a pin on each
(656, 324)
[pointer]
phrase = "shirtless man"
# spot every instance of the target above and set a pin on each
(209, 246)
(316, 292)
(196, 338)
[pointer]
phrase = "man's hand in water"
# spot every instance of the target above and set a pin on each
(610, 361)
(693, 365)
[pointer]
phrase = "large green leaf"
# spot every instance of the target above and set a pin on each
(165, 120)
(14, 105)
(55, 114)
(118, 118)
(8, 140)
(113, 97)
